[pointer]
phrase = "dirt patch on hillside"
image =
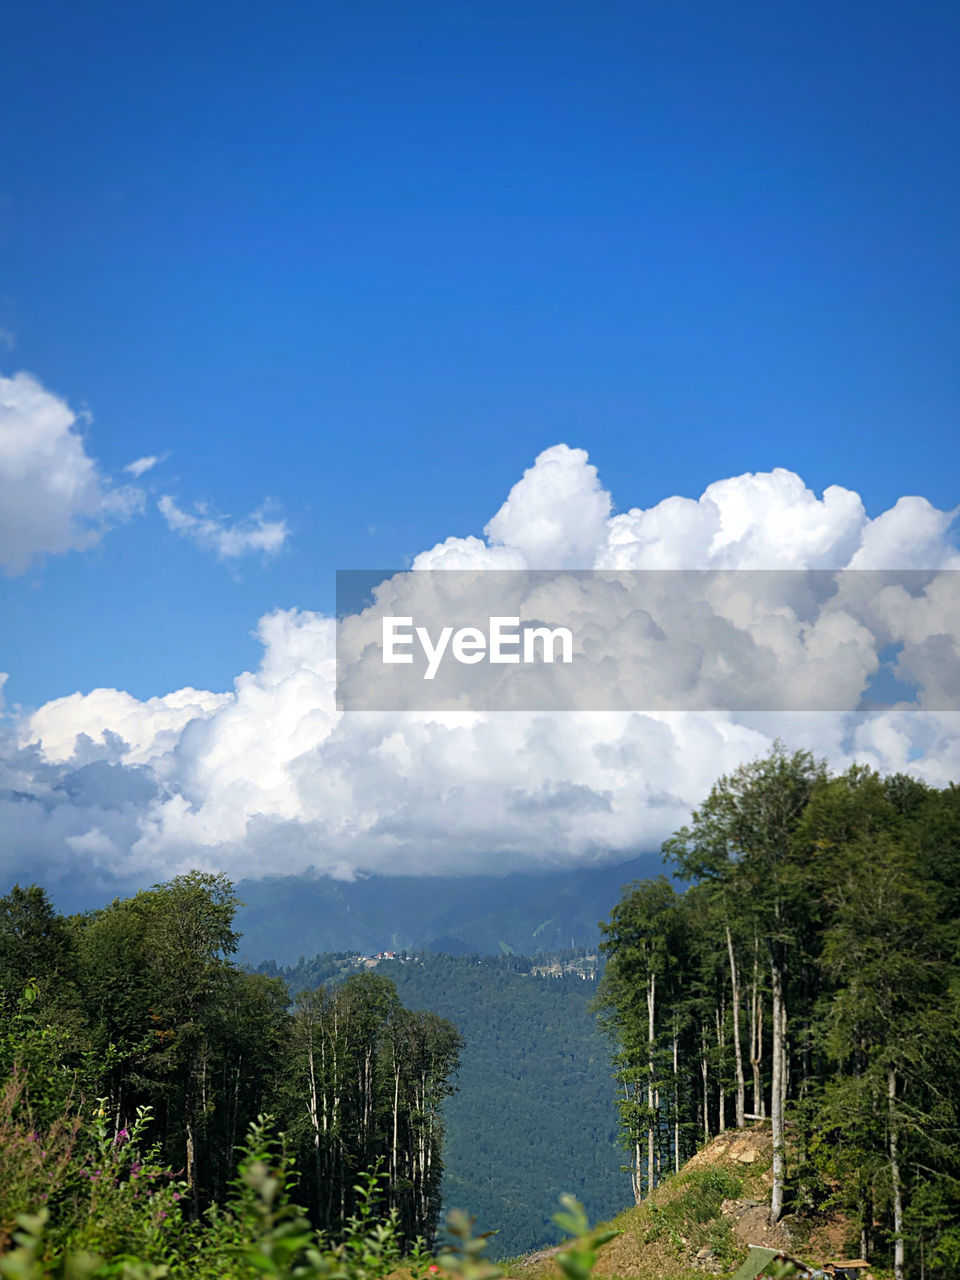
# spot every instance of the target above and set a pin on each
(754, 1228)
(744, 1149)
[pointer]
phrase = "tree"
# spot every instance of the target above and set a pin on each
(35, 944)
(640, 939)
(743, 837)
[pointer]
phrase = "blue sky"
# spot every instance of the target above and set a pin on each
(367, 260)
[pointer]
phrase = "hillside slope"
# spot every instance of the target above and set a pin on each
(701, 1221)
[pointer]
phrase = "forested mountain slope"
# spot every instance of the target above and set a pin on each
(535, 1114)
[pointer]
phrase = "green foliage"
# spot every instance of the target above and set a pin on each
(141, 1006)
(689, 1216)
(577, 1259)
(262, 1232)
(463, 1256)
(372, 1245)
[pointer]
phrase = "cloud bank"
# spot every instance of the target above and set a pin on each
(269, 778)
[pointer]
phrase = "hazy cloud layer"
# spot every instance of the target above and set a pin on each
(269, 778)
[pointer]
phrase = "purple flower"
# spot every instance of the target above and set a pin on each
(122, 1136)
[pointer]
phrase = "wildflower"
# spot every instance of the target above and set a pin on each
(433, 1268)
(176, 1195)
(122, 1136)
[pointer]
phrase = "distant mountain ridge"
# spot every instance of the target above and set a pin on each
(524, 913)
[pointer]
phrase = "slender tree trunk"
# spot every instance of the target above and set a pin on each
(396, 1122)
(676, 1104)
(756, 1034)
(895, 1176)
(636, 1160)
(637, 1171)
(651, 1007)
(737, 1053)
(704, 1073)
(866, 1222)
(784, 1054)
(722, 1098)
(313, 1110)
(776, 1094)
(191, 1170)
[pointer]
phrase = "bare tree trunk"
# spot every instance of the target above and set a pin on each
(394, 1172)
(756, 1034)
(191, 1169)
(651, 1006)
(313, 1108)
(722, 1101)
(737, 1053)
(784, 1055)
(676, 1105)
(895, 1177)
(704, 1073)
(776, 1094)
(636, 1157)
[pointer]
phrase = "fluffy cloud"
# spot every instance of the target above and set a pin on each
(269, 777)
(53, 497)
(214, 532)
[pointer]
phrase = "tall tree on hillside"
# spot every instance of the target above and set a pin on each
(744, 838)
(155, 970)
(639, 940)
(889, 960)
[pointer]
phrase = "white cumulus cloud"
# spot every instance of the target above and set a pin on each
(53, 496)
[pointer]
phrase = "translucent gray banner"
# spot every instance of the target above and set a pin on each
(648, 640)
